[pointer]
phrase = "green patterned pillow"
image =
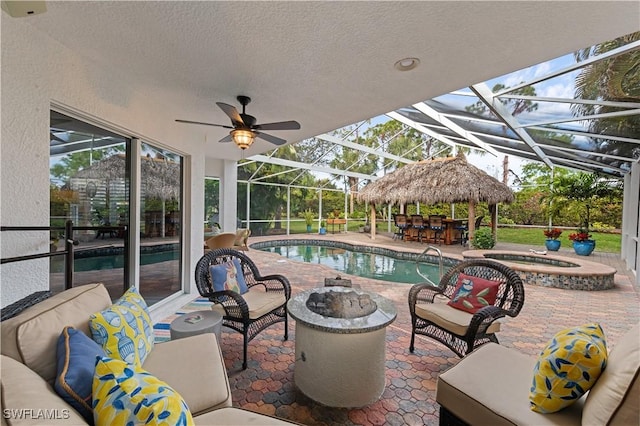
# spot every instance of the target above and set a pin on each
(127, 395)
(568, 367)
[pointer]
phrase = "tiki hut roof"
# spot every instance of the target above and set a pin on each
(442, 180)
(160, 177)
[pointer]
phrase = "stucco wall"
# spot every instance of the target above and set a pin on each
(38, 71)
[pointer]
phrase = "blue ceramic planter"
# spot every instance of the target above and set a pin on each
(552, 245)
(584, 248)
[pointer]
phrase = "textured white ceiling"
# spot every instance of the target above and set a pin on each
(324, 64)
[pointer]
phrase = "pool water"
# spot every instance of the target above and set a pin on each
(111, 261)
(368, 265)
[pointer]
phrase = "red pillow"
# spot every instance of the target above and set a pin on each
(473, 293)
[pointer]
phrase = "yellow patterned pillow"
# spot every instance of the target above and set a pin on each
(568, 367)
(120, 334)
(134, 301)
(128, 395)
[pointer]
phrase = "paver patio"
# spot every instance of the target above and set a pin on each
(267, 385)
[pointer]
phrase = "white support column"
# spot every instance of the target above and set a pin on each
(631, 220)
(134, 215)
(248, 207)
(288, 209)
(229, 196)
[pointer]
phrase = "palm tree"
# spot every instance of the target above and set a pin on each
(613, 79)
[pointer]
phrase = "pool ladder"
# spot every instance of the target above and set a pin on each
(441, 268)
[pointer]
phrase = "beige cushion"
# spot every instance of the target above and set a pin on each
(259, 303)
(449, 318)
(237, 416)
(491, 385)
(23, 389)
(615, 398)
(31, 336)
(194, 367)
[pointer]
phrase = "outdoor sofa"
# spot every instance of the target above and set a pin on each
(192, 366)
(491, 385)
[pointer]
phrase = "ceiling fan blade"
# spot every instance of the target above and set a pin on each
(233, 114)
(269, 138)
(204, 124)
(227, 138)
(281, 125)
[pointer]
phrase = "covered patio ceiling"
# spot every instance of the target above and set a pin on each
(538, 114)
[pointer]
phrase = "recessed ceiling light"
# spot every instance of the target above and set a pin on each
(407, 64)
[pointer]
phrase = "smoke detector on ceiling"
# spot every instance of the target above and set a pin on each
(20, 9)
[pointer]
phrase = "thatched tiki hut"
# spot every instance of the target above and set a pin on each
(442, 180)
(160, 179)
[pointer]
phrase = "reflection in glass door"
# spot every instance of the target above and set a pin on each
(89, 185)
(160, 223)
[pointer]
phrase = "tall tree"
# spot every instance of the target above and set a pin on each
(613, 79)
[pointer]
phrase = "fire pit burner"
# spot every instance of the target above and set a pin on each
(341, 304)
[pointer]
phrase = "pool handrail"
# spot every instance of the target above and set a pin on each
(440, 265)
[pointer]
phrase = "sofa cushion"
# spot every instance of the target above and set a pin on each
(228, 276)
(568, 367)
(473, 293)
(490, 386)
(31, 337)
(27, 399)
(124, 394)
(76, 354)
(454, 320)
(200, 376)
(614, 397)
(238, 416)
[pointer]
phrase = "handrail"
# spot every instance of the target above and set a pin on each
(441, 267)
(68, 248)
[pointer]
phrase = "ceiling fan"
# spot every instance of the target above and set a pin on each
(244, 126)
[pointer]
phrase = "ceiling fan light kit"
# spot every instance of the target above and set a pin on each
(243, 138)
(244, 126)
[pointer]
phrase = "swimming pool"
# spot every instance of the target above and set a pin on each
(111, 261)
(363, 261)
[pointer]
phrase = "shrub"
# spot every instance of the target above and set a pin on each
(483, 239)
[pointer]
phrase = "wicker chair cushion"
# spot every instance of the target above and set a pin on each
(228, 276)
(568, 367)
(614, 397)
(473, 293)
(77, 354)
(125, 394)
(454, 320)
(259, 303)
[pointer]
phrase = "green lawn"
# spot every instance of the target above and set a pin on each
(533, 236)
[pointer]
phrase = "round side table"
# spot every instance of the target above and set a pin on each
(198, 322)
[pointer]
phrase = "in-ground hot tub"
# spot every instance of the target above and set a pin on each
(552, 270)
(340, 344)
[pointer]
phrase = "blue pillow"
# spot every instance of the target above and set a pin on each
(228, 276)
(76, 364)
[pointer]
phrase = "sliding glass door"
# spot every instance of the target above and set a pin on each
(91, 185)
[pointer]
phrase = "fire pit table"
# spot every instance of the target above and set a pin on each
(340, 344)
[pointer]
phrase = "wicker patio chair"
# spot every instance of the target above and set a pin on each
(461, 331)
(263, 305)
